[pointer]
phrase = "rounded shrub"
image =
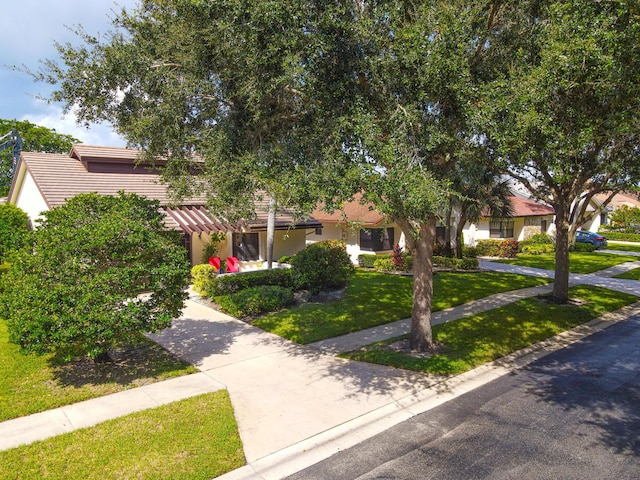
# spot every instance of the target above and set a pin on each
(322, 266)
(202, 276)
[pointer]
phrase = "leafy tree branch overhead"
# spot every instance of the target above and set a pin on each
(318, 100)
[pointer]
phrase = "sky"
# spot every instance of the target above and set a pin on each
(28, 30)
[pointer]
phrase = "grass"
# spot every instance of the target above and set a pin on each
(375, 298)
(579, 262)
(624, 247)
(191, 439)
(31, 384)
(472, 341)
(630, 275)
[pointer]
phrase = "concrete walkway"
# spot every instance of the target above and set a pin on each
(296, 405)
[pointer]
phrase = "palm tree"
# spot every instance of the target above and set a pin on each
(481, 193)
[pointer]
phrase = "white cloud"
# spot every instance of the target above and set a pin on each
(51, 116)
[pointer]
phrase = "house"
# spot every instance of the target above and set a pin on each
(360, 226)
(367, 231)
(44, 180)
(599, 216)
(527, 218)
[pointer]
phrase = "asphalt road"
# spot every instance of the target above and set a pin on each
(574, 414)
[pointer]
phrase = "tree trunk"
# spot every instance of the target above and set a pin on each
(271, 231)
(447, 232)
(421, 338)
(459, 235)
(561, 281)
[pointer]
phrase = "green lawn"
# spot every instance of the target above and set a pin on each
(630, 275)
(374, 298)
(192, 439)
(624, 247)
(31, 384)
(579, 262)
(481, 338)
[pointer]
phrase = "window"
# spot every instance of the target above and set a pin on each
(603, 218)
(376, 239)
(502, 228)
(246, 246)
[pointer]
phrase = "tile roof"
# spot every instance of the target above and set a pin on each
(353, 211)
(60, 177)
(108, 170)
(524, 207)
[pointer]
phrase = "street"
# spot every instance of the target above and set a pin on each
(574, 414)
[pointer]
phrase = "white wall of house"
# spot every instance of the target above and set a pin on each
(30, 200)
(523, 228)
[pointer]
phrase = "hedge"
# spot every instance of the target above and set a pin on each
(621, 236)
(366, 260)
(236, 282)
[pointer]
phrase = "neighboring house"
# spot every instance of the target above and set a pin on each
(528, 218)
(43, 181)
(600, 216)
(367, 231)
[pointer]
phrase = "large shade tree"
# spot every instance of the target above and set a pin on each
(562, 111)
(308, 100)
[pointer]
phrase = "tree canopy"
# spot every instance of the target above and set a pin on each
(319, 100)
(101, 270)
(14, 229)
(35, 138)
(562, 114)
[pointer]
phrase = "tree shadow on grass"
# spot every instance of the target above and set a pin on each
(130, 366)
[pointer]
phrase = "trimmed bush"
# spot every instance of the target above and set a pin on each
(541, 238)
(537, 248)
(366, 260)
(236, 282)
(583, 247)
(385, 265)
(14, 229)
(497, 248)
(456, 263)
(202, 276)
(285, 259)
(470, 252)
(256, 300)
(322, 266)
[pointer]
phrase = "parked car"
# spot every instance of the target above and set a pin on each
(594, 239)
